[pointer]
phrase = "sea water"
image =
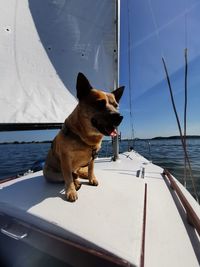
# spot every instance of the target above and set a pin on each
(168, 153)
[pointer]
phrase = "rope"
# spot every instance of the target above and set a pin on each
(185, 118)
(185, 86)
(180, 131)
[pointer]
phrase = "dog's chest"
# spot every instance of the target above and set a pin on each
(84, 157)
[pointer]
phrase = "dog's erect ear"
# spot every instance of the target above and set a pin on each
(83, 86)
(118, 93)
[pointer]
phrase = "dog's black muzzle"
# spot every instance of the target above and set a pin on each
(108, 123)
(115, 118)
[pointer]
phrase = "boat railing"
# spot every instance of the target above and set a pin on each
(192, 217)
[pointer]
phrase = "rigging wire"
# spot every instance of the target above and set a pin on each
(129, 73)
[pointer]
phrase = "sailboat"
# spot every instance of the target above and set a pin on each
(139, 215)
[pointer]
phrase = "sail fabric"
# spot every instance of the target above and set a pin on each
(44, 44)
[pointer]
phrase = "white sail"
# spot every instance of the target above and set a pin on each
(44, 44)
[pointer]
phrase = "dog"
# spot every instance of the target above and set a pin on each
(73, 150)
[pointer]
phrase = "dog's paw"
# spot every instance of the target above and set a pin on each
(93, 182)
(71, 195)
(77, 184)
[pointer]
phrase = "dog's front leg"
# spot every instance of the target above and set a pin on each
(70, 190)
(91, 176)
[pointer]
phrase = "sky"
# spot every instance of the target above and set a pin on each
(160, 29)
(150, 30)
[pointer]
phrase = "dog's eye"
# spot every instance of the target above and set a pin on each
(114, 104)
(101, 103)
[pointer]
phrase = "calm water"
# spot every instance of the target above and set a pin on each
(18, 158)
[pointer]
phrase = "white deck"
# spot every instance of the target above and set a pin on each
(110, 216)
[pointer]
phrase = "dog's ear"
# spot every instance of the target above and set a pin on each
(83, 86)
(118, 93)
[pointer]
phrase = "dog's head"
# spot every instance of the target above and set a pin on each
(100, 109)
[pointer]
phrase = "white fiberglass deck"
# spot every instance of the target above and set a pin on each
(110, 217)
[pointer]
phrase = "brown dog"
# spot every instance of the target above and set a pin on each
(80, 138)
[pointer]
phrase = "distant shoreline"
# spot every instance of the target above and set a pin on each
(154, 138)
(23, 142)
(176, 137)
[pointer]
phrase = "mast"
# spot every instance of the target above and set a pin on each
(116, 71)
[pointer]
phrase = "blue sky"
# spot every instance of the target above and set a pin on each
(160, 29)
(157, 28)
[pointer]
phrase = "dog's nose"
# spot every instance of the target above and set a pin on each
(116, 119)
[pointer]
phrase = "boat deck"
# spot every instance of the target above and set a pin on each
(132, 218)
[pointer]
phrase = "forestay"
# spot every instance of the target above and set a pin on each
(44, 44)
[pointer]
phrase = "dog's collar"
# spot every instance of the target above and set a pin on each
(66, 131)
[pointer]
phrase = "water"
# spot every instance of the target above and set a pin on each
(18, 158)
(169, 154)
